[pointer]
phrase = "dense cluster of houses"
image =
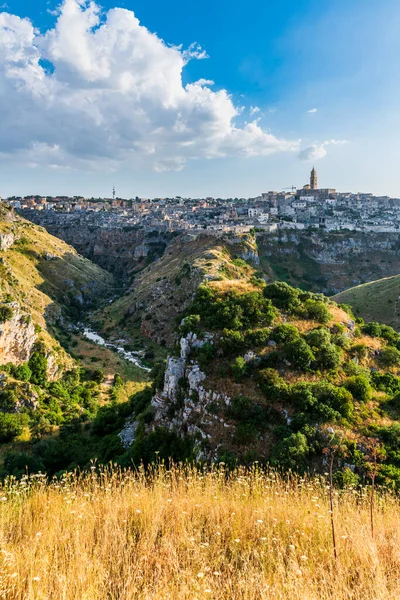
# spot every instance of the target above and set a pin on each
(310, 206)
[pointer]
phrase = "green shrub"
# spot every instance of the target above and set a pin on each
(285, 333)
(386, 382)
(232, 341)
(8, 400)
(98, 376)
(390, 356)
(315, 310)
(359, 387)
(257, 338)
(20, 463)
(190, 324)
(11, 426)
(6, 313)
(282, 295)
(318, 337)
(299, 354)
(159, 445)
(22, 372)
(292, 452)
(239, 368)
(38, 364)
(329, 356)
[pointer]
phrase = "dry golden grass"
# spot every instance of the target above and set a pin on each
(187, 535)
(241, 286)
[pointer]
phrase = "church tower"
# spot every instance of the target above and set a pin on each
(314, 180)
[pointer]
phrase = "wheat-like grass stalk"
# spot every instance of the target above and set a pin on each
(183, 533)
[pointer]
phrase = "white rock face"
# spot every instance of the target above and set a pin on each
(174, 372)
(6, 241)
(17, 337)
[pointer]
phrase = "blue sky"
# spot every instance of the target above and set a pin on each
(275, 61)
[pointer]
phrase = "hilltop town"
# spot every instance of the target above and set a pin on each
(303, 208)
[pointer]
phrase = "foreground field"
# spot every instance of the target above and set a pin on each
(182, 534)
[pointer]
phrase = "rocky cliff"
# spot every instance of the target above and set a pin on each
(17, 336)
(328, 262)
(120, 250)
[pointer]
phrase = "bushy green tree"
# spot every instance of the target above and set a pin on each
(22, 372)
(299, 354)
(282, 295)
(329, 356)
(390, 356)
(318, 337)
(315, 310)
(292, 452)
(38, 364)
(285, 333)
(191, 323)
(11, 426)
(360, 388)
(8, 400)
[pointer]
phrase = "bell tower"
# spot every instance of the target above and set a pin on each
(313, 179)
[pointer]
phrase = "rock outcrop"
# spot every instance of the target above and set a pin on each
(17, 337)
(6, 241)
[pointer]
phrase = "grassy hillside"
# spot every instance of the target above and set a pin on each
(44, 274)
(375, 301)
(162, 291)
(187, 534)
(52, 381)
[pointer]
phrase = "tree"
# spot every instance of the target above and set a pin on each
(390, 356)
(316, 310)
(329, 356)
(299, 353)
(359, 387)
(285, 333)
(11, 426)
(282, 295)
(38, 365)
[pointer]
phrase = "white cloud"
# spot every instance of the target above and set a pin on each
(254, 110)
(318, 150)
(99, 90)
(312, 110)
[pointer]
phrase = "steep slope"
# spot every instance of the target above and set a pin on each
(375, 301)
(162, 291)
(41, 280)
(328, 262)
(272, 373)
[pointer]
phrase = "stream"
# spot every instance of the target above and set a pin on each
(130, 356)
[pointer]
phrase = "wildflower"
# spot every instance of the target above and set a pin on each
(39, 533)
(36, 578)
(259, 520)
(291, 547)
(216, 573)
(200, 575)
(237, 540)
(138, 511)
(3, 499)
(299, 573)
(304, 557)
(207, 591)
